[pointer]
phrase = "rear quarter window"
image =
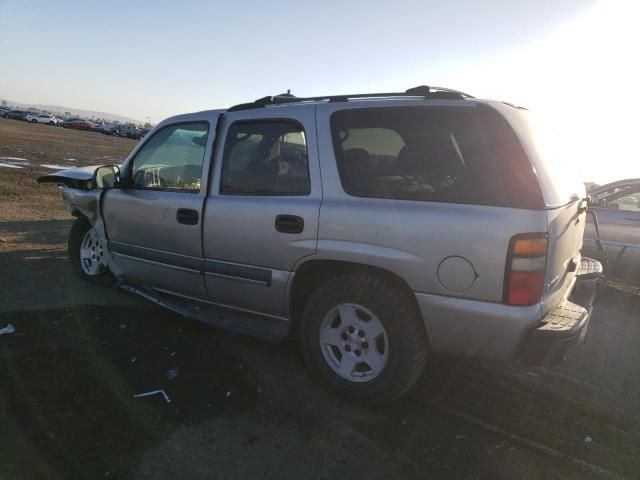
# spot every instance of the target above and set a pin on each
(416, 153)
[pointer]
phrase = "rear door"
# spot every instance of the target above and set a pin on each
(154, 223)
(261, 214)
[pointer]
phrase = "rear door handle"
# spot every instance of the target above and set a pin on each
(289, 224)
(187, 216)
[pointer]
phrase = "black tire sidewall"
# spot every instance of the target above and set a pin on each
(401, 321)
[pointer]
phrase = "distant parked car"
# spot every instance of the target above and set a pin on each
(81, 125)
(42, 118)
(69, 120)
(109, 128)
(618, 211)
(137, 133)
(17, 114)
(4, 110)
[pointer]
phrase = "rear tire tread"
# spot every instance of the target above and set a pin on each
(403, 368)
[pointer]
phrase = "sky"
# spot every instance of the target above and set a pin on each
(573, 61)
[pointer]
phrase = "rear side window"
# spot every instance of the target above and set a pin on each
(265, 158)
(416, 153)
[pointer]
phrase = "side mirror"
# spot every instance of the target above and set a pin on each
(107, 176)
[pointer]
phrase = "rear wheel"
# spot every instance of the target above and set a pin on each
(34, 121)
(88, 254)
(363, 337)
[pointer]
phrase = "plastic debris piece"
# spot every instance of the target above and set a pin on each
(228, 394)
(154, 392)
(123, 326)
(588, 439)
(7, 330)
(173, 373)
(172, 354)
(133, 360)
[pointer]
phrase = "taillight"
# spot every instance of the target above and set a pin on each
(526, 264)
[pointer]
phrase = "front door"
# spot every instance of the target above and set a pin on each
(261, 215)
(154, 222)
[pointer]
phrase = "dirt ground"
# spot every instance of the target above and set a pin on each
(241, 408)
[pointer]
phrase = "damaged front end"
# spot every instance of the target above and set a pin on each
(81, 197)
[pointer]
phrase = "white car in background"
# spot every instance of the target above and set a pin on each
(42, 118)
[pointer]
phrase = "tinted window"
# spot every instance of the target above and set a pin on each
(265, 158)
(172, 158)
(415, 153)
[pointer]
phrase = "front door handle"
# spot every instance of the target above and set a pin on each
(187, 216)
(289, 224)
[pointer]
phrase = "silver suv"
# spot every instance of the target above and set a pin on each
(375, 228)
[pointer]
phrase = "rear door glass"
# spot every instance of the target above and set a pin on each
(416, 153)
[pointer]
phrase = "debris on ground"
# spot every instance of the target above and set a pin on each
(7, 330)
(228, 394)
(154, 392)
(123, 327)
(588, 439)
(172, 373)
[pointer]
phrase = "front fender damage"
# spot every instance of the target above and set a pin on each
(86, 203)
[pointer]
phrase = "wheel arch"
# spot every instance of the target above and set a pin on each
(314, 272)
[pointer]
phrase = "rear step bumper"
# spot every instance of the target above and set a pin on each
(566, 325)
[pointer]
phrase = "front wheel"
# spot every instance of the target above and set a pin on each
(364, 337)
(34, 121)
(88, 254)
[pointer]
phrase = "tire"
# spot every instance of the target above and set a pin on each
(77, 236)
(34, 121)
(399, 353)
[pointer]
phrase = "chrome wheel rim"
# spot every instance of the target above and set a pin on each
(354, 342)
(92, 254)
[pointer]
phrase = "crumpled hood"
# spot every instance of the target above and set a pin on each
(74, 178)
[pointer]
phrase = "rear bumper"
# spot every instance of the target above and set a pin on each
(493, 331)
(565, 327)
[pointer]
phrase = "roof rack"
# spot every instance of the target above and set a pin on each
(421, 91)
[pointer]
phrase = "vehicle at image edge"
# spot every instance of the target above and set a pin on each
(617, 206)
(4, 110)
(42, 118)
(437, 225)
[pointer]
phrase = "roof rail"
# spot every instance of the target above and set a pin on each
(421, 91)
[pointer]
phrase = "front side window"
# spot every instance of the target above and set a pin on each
(621, 199)
(172, 159)
(265, 158)
(415, 153)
